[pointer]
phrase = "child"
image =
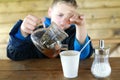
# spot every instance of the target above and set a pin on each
(63, 13)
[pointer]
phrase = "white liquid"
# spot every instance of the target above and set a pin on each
(101, 70)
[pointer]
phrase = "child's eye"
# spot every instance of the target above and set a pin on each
(60, 15)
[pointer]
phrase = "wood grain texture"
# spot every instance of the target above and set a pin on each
(50, 69)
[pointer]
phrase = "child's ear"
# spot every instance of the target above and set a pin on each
(49, 12)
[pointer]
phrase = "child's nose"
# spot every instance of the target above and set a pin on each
(65, 21)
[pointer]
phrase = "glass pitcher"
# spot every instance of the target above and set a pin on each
(100, 67)
(48, 40)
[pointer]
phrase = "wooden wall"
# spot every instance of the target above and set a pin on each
(103, 18)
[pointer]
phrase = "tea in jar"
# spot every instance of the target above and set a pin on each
(48, 40)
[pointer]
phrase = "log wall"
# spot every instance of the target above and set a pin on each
(103, 18)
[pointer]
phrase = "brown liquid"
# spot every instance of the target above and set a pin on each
(51, 53)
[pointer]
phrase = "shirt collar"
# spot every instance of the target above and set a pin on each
(47, 22)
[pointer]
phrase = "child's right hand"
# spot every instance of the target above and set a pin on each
(30, 22)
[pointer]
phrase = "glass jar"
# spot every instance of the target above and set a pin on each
(48, 40)
(100, 67)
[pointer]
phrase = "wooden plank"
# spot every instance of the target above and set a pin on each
(3, 1)
(5, 28)
(3, 51)
(98, 13)
(9, 5)
(106, 23)
(103, 34)
(100, 34)
(4, 38)
(13, 17)
(111, 13)
(22, 6)
(98, 3)
(116, 52)
(3, 46)
(3, 55)
(107, 41)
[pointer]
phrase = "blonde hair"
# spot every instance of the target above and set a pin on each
(71, 2)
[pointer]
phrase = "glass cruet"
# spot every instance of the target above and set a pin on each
(100, 67)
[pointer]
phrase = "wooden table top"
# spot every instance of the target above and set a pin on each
(50, 69)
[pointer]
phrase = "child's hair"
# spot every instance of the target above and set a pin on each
(71, 2)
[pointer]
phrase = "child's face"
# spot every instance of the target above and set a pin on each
(60, 13)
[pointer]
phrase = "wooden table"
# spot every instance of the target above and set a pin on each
(50, 69)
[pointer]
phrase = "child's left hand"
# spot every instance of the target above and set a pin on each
(77, 19)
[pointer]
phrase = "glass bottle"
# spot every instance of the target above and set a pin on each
(48, 40)
(100, 67)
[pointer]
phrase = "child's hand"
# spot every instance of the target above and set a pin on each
(78, 19)
(29, 24)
